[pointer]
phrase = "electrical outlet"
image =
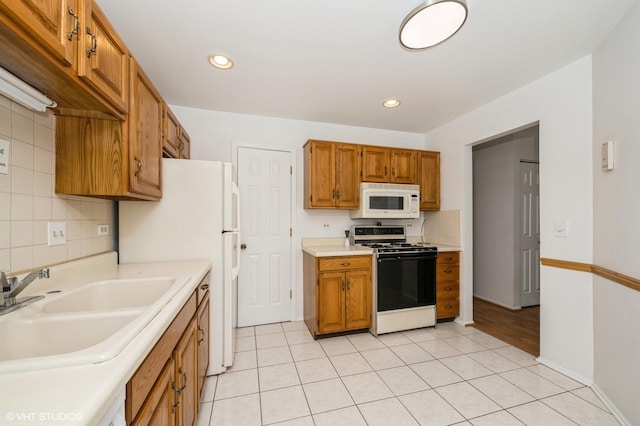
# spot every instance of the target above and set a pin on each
(56, 233)
(326, 225)
(103, 230)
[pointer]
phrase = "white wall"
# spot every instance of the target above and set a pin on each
(215, 135)
(561, 102)
(616, 100)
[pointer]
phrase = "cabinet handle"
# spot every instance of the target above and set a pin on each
(338, 194)
(385, 170)
(138, 166)
(204, 286)
(345, 264)
(184, 386)
(94, 43)
(448, 306)
(75, 24)
(393, 171)
(448, 259)
(448, 271)
(447, 289)
(348, 285)
(200, 330)
(174, 406)
(342, 285)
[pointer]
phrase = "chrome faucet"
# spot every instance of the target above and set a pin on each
(11, 288)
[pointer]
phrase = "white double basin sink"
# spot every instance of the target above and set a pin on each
(88, 324)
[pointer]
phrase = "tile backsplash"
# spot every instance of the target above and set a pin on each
(28, 201)
(442, 227)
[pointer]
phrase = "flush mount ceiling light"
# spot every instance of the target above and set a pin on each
(220, 61)
(391, 103)
(431, 23)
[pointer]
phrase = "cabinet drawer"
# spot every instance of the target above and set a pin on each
(448, 308)
(449, 257)
(343, 263)
(447, 290)
(446, 272)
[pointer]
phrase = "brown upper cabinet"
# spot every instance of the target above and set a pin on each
(184, 145)
(381, 164)
(331, 175)
(175, 139)
(429, 179)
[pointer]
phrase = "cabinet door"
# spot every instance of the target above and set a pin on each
(331, 315)
(184, 144)
(375, 164)
(320, 174)
(429, 180)
(186, 357)
(170, 133)
(103, 57)
(160, 406)
(145, 130)
(358, 299)
(403, 166)
(49, 23)
(203, 342)
(347, 176)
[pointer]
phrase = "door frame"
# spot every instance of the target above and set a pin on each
(292, 217)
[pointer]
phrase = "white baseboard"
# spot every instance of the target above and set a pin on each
(611, 406)
(463, 323)
(584, 380)
(512, 308)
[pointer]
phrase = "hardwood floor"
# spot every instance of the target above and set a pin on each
(519, 328)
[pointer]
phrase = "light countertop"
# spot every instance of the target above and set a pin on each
(337, 250)
(82, 394)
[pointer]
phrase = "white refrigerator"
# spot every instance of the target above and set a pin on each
(197, 218)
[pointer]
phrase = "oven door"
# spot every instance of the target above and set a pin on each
(405, 280)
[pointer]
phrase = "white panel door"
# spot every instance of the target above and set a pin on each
(529, 234)
(264, 282)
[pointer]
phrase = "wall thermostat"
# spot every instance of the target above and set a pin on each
(607, 155)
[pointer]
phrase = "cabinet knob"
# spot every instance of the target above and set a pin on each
(345, 264)
(138, 166)
(243, 246)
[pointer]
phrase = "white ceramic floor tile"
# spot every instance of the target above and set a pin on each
(521, 358)
(283, 404)
(209, 388)
(327, 395)
(501, 418)
(531, 383)
(294, 326)
(204, 414)
(366, 387)
(467, 400)
(337, 346)
(386, 412)
(241, 410)
(245, 344)
(349, 416)
(236, 384)
(494, 361)
(277, 376)
(411, 353)
(300, 421)
(465, 344)
(579, 410)
(380, 359)
(484, 339)
(307, 351)
(394, 339)
(365, 341)
(245, 332)
(420, 335)
(465, 367)
(244, 361)
(348, 364)
(435, 373)
(402, 380)
(500, 391)
(269, 329)
(439, 349)
(553, 376)
(430, 409)
(590, 396)
(536, 414)
(297, 337)
(273, 340)
(315, 370)
(272, 356)
(444, 332)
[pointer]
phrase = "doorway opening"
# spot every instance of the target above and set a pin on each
(506, 238)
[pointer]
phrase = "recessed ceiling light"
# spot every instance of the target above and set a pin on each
(391, 103)
(220, 61)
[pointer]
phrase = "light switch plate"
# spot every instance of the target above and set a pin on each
(561, 229)
(4, 157)
(607, 156)
(56, 233)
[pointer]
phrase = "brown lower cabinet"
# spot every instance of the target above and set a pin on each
(337, 293)
(165, 390)
(448, 285)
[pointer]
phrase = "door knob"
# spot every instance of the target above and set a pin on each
(243, 246)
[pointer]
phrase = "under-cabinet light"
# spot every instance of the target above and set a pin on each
(19, 91)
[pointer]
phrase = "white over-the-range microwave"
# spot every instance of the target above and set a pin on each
(388, 201)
